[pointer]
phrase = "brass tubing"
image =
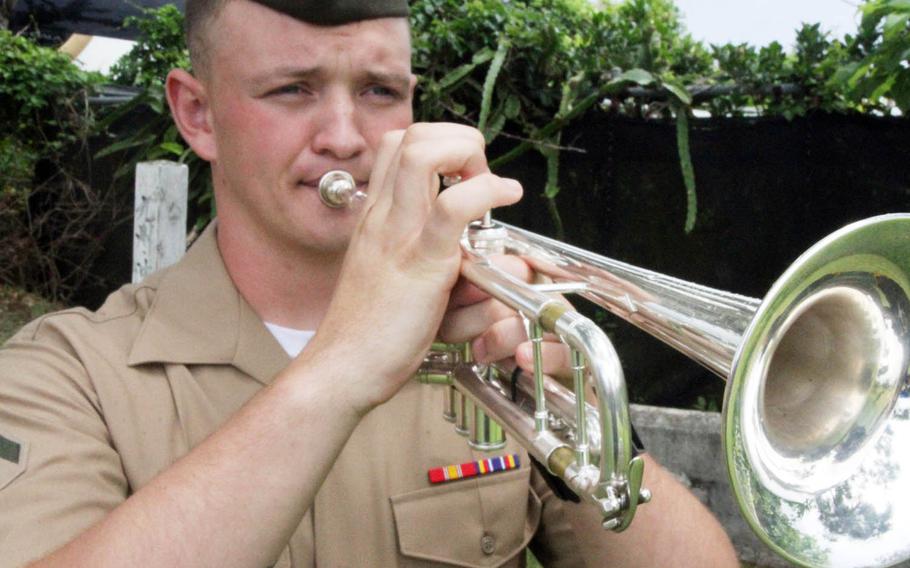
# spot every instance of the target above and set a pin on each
(448, 402)
(462, 414)
(540, 399)
(582, 453)
(486, 434)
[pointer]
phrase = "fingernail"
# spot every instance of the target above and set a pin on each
(479, 350)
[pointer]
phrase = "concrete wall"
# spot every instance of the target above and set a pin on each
(688, 443)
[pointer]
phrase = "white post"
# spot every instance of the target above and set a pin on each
(159, 217)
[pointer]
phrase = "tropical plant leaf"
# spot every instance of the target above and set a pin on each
(462, 71)
(685, 163)
(679, 91)
(125, 145)
(489, 83)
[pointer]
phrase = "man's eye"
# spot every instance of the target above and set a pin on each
(383, 91)
(295, 89)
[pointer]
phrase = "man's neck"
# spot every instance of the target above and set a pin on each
(285, 285)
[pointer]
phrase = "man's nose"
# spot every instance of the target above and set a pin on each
(339, 133)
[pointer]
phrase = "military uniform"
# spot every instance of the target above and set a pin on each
(97, 403)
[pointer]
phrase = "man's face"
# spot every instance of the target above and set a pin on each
(290, 101)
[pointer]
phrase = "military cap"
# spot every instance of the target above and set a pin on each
(338, 12)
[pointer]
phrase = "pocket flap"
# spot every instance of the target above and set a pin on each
(474, 522)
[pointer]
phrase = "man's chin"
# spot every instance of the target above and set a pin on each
(325, 245)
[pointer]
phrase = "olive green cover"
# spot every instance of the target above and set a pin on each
(337, 12)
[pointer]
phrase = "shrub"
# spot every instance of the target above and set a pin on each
(878, 69)
(48, 210)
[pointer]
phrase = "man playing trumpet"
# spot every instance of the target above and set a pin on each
(170, 428)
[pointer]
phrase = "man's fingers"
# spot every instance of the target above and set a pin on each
(384, 168)
(426, 151)
(465, 323)
(462, 203)
(499, 340)
(557, 359)
(508, 338)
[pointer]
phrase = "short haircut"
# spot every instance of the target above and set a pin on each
(198, 14)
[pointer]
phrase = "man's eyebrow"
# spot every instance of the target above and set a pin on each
(285, 72)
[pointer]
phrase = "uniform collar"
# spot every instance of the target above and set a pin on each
(199, 318)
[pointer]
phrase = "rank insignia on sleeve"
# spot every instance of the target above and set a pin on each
(9, 450)
(13, 458)
(473, 469)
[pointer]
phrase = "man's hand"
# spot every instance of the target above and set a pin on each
(497, 333)
(404, 257)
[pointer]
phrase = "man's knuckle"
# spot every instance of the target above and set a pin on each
(416, 131)
(497, 338)
(411, 156)
(445, 208)
(478, 137)
(498, 311)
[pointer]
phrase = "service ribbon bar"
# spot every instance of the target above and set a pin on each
(473, 469)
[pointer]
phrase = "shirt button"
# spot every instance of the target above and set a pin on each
(488, 544)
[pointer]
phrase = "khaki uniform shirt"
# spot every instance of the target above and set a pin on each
(94, 404)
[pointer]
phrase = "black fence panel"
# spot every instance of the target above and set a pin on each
(767, 190)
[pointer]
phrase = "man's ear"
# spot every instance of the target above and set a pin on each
(189, 104)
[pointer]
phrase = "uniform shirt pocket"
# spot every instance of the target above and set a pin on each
(485, 521)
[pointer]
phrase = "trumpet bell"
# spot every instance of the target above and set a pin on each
(817, 413)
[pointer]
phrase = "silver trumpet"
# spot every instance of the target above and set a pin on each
(817, 401)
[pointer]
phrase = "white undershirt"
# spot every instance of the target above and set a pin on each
(292, 340)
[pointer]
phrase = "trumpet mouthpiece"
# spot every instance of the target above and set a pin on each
(338, 189)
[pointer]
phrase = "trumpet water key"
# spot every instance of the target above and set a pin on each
(817, 401)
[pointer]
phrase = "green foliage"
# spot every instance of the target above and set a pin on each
(879, 67)
(552, 44)
(526, 69)
(43, 101)
(17, 308)
(46, 121)
(706, 405)
(760, 74)
(43, 111)
(160, 48)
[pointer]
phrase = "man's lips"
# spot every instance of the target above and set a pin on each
(361, 184)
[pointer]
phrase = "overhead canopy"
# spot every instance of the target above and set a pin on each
(56, 20)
